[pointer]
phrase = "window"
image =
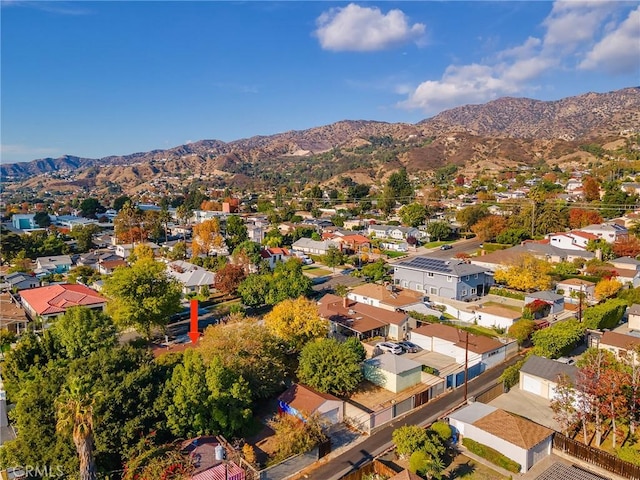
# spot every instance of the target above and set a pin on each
(429, 274)
(405, 284)
(473, 291)
(476, 275)
(464, 293)
(448, 278)
(433, 291)
(418, 286)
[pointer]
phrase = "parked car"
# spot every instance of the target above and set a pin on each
(446, 246)
(409, 346)
(390, 347)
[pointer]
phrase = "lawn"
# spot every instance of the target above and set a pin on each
(317, 271)
(504, 305)
(464, 467)
(394, 254)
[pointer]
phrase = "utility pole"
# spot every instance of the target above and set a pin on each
(466, 364)
(580, 304)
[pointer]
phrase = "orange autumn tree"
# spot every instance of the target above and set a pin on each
(206, 237)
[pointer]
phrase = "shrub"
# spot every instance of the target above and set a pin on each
(492, 455)
(629, 454)
(503, 292)
(511, 374)
(419, 461)
(443, 430)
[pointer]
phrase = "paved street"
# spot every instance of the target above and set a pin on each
(380, 440)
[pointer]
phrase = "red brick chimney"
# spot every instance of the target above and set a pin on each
(345, 302)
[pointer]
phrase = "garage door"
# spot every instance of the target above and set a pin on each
(531, 385)
(332, 416)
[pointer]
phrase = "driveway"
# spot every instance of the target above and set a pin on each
(527, 405)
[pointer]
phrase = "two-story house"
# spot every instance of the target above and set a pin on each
(609, 232)
(454, 279)
(273, 255)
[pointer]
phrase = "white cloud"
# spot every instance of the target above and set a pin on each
(362, 29)
(572, 31)
(619, 50)
(572, 23)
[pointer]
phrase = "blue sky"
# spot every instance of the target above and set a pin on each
(110, 78)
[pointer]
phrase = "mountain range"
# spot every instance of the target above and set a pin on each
(494, 135)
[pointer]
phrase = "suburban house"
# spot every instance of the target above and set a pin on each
(575, 240)
(54, 300)
(192, 277)
(481, 352)
(572, 288)
(634, 317)
(452, 279)
(620, 345)
(500, 316)
(352, 243)
(209, 459)
(54, 264)
(515, 437)
(71, 222)
(106, 267)
(627, 270)
(302, 401)
(21, 281)
(351, 318)
(541, 250)
(392, 372)
(92, 259)
(24, 221)
(553, 300)
(394, 232)
(314, 247)
(387, 297)
(610, 232)
(124, 250)
(540, 376)
(12, 316)
(273, 255)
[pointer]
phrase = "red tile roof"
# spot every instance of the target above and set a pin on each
(57, 298)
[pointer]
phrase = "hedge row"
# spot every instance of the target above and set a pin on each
(503, 292)
(492, 455)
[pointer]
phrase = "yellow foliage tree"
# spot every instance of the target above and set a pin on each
(206, 237)
(607, 288)
(525, 273)
(296, 322)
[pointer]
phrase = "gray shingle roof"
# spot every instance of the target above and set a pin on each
(560, 471)
(456, 268)
(548, 369)
(393, 363)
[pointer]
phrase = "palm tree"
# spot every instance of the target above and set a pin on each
(74, 412)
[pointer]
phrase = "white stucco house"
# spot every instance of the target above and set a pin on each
(515, 437)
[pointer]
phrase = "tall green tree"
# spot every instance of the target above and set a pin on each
(81, 331)
(413, 214)
(333, 257)
(142, 296)
(439, 230)
(558, 339)
(330, 366)
(236, 232)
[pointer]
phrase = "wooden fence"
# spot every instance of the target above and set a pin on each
(491, 393)
(596, 457)
(376, 466)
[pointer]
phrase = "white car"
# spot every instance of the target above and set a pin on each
(390, 347)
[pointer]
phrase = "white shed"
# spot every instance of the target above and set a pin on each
(392, 372)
